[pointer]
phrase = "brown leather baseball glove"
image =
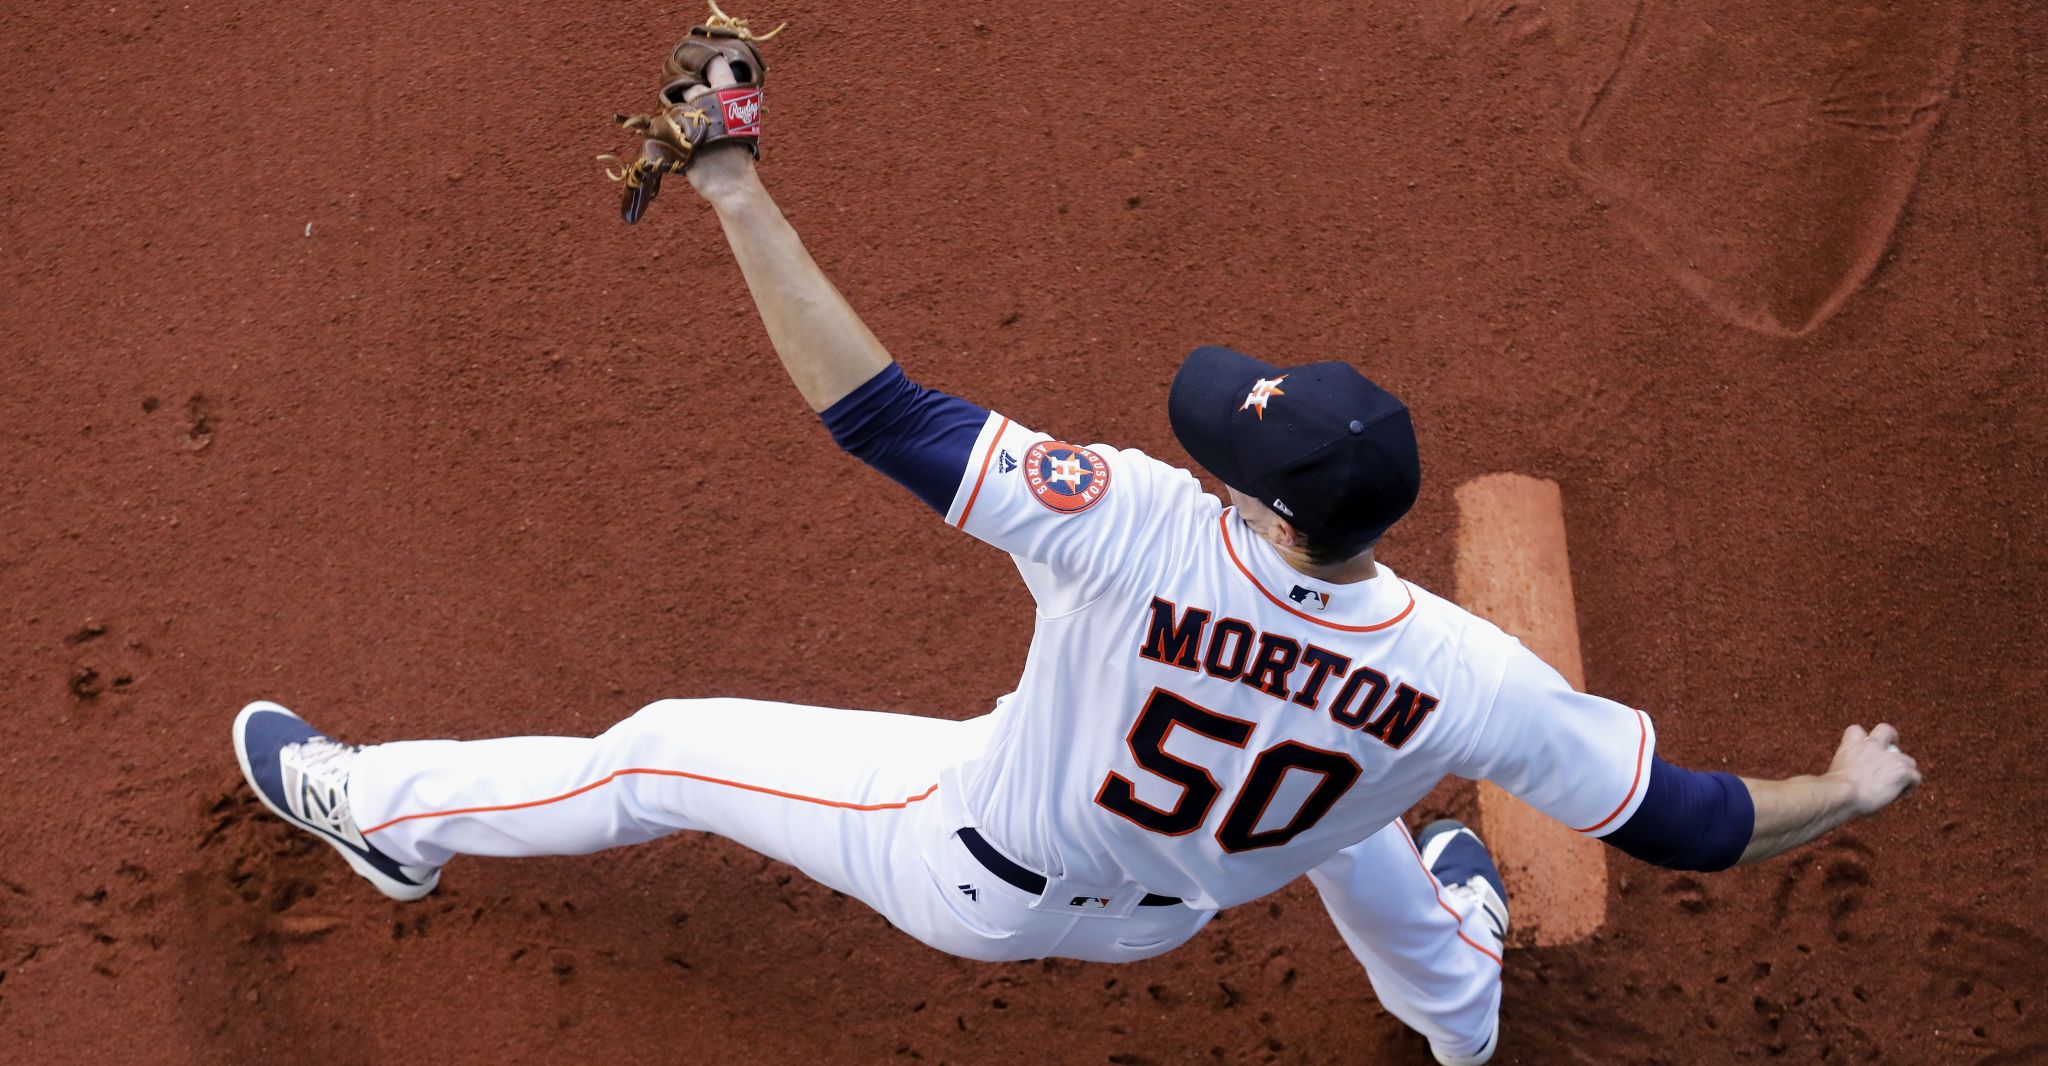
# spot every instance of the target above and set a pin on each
(693, 114)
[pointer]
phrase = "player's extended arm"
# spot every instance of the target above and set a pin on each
(1868, 773)
(920, 438)
(1569, 752)
(828, 351)
(1693, 820)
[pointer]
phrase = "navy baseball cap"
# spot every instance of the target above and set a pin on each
(1321, 444)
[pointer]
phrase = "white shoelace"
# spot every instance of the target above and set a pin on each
(1477, 897)
(324, 765)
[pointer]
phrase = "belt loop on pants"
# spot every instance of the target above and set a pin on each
(1020, 877)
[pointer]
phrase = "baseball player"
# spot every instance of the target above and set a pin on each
(1220, 696)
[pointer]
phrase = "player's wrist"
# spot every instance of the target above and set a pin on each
(725, 177)
(1843, 791)
(738, 200)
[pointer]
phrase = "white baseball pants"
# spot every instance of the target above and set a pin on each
(867, 803)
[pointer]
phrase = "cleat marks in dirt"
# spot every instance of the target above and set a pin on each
(105, 668)
(1836, 895)
(197, 431)
(1689, 894)
(1988, 967)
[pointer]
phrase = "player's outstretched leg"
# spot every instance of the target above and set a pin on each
(850, 797)
(1429, 940)
(1460, 861)
(302, 775)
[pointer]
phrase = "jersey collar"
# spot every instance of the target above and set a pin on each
(1381, 603)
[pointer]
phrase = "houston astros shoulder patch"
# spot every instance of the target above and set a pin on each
(1065, 477)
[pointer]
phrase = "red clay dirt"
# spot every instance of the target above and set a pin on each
(332, 377)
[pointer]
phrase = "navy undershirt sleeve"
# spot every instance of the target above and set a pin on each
(922, 439)
(1688, 820)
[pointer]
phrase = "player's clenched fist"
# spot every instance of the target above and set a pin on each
(1874, 768)
(1867, 774)
(710, 96)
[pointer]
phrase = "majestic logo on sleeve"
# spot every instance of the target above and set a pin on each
(741, 110)
(1065, 477)
(1261, 393)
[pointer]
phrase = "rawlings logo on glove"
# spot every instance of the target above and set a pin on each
(742, 108)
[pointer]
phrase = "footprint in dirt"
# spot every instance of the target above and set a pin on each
(21, 937)
(196, 434)
(1834, 897)
(1690, 895)
(105, 668)
(235, 995)
(1990, 971)
(117, 915)
(233, 925)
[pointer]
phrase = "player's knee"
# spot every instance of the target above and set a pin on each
(661, 716)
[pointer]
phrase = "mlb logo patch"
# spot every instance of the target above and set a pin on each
(1065, 477)
(741, 110)
(1091, 903)
(1310, 598)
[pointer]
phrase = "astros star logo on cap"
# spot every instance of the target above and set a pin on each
(1265, 390)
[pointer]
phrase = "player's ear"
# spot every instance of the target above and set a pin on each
(1284, 533)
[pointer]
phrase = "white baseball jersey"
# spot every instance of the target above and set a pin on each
(1196, 720)
(1200, 719)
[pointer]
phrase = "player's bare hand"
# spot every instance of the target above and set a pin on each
(1874, 768)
